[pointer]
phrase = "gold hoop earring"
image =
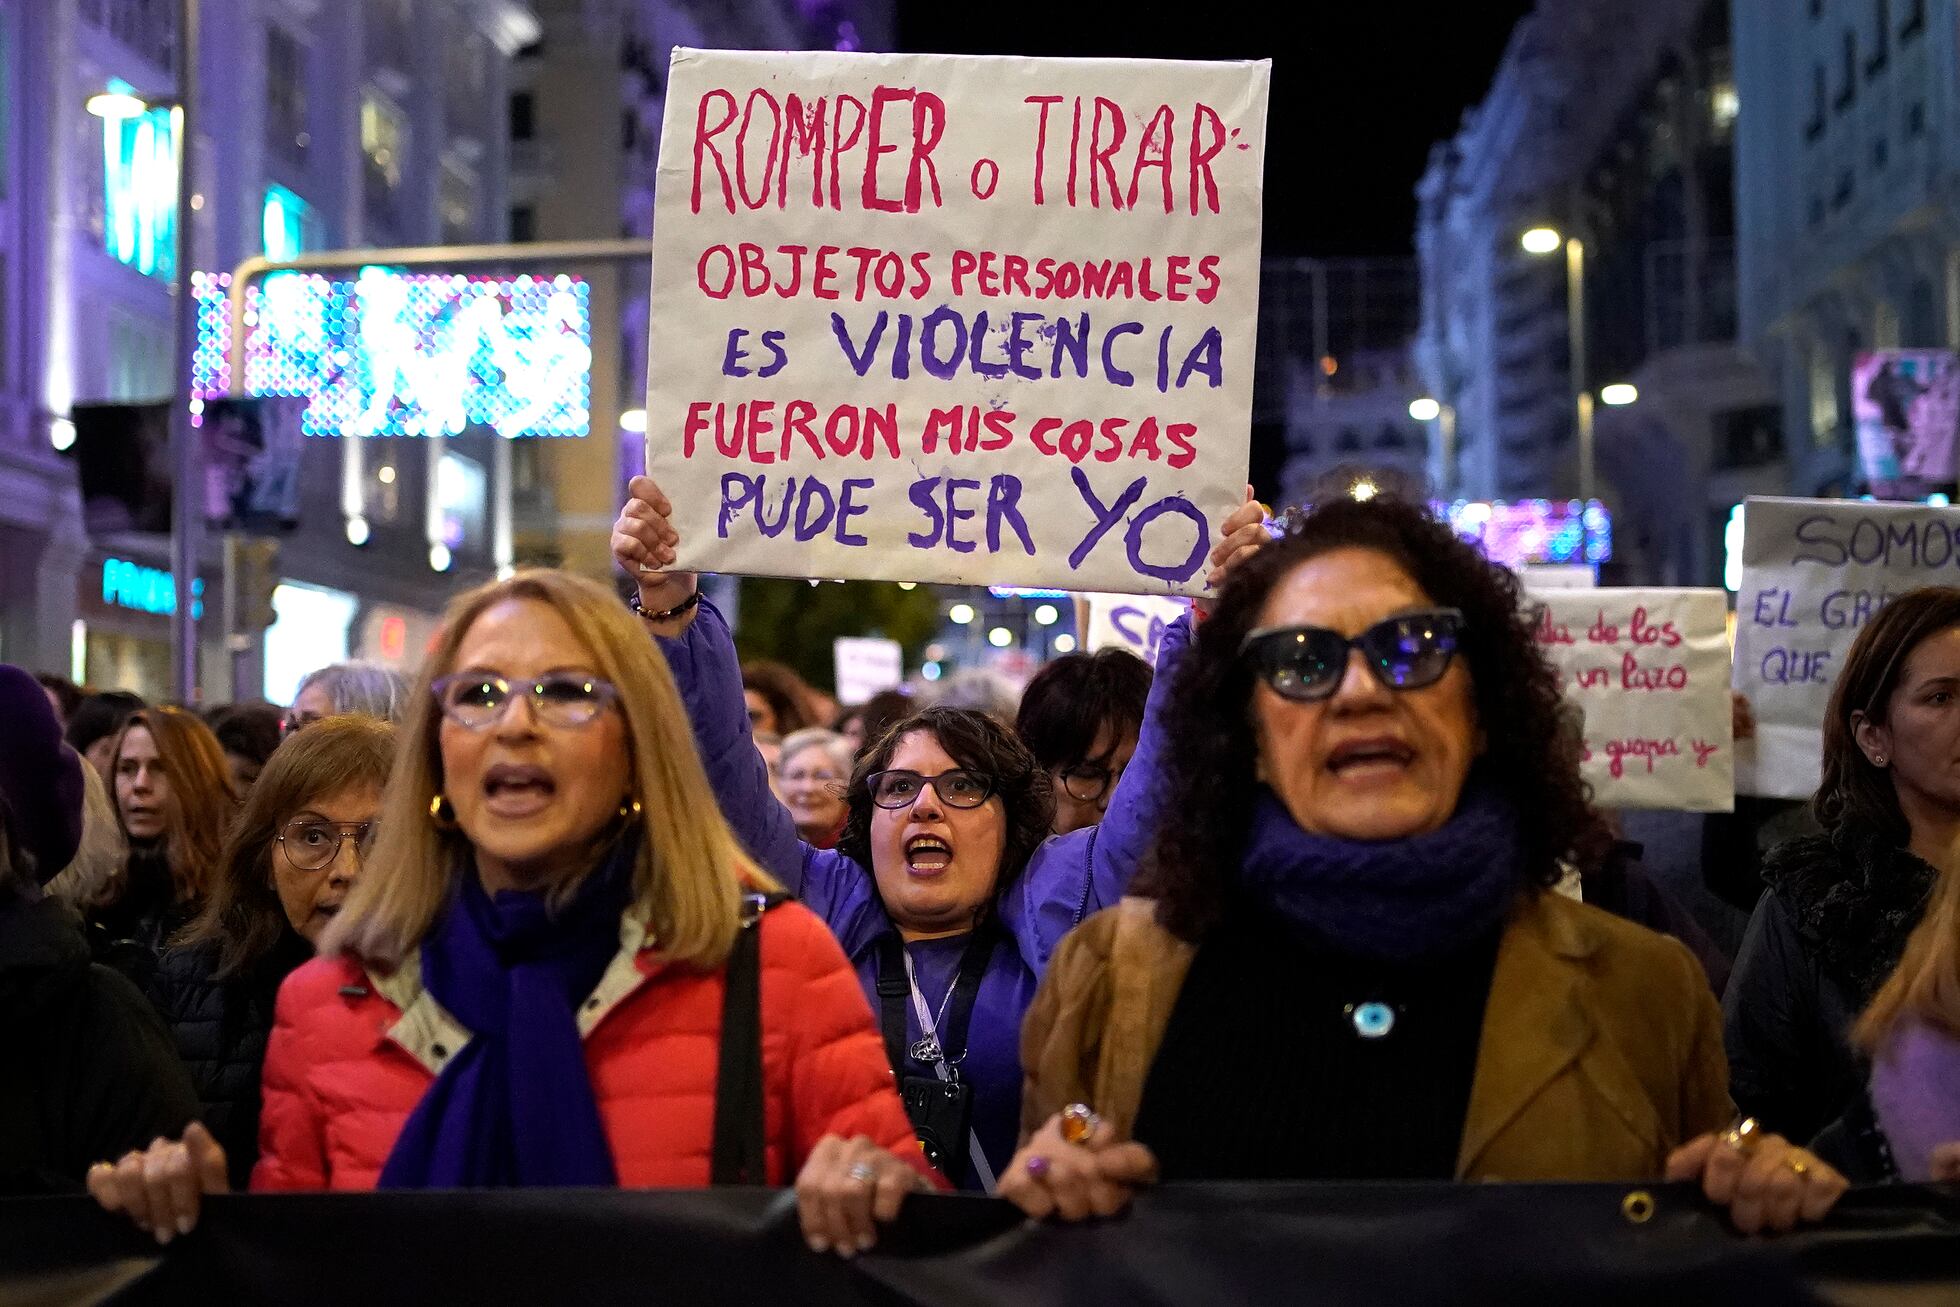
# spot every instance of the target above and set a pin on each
(629, 809)
(442, 812)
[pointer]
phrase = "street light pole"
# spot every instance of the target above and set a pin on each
(186, 458)
(1575, 323)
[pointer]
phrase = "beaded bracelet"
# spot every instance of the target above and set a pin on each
(683, 606)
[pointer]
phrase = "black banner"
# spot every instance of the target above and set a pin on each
(1376, 1243)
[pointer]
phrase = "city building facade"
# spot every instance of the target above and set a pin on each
(1848, 171)
(320, 126)
(1608, 135)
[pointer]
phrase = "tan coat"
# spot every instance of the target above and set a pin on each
(1601, 1048)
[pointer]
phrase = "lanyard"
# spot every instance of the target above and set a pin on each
(897, 981)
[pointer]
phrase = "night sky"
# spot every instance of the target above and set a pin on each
(1359, 90)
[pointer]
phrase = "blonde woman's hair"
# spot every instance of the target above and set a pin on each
(1926, 983)
(691, 873)
(89, 879)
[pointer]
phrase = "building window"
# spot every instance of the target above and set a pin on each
(523, 116)
(458, 200)
(1848, 81)
(1823, 399)
(1916, 120)
(1915, 20)
(384, 149)
(1841, 196)
(285, 96)
(1879, 154)
(139, 189)
(284, 222)
(1881, 37)
(1816, 210)
(149, 27)
(523, 223)
(1815, 127)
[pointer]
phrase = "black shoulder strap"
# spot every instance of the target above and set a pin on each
(894, 988)
(739, 1156)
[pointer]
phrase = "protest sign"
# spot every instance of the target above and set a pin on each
(1906, 406)
(1650, 669)
(1133, 622)
(955, 319)
(1813, 572)
(865, 665)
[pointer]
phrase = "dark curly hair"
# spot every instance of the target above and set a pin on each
(1211, 783)
(1855, 795)
(978, 743)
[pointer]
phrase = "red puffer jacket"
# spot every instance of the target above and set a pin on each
(352, 1053)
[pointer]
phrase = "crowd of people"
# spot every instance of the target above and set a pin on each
(1323, 897)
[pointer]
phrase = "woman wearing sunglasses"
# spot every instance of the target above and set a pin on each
(1349, 965)
(287, 866)
(531, 983)
(941, 889)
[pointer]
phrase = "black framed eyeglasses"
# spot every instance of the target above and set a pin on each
(478, 701)
(1306, 663)
(1087, 782)
(311, 843)
(957, 788)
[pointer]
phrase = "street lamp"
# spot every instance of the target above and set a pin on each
(1619, 394)
(119, 106)
(1425, 409)
(1546, 240)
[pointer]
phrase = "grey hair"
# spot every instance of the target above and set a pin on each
(91, 872)
(838, 749)
(980, 690)
(366, 688)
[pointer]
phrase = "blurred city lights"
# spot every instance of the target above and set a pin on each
(357, 531)
(908, 585)
(930, 671)
(960, 614)
(117, 106)
(440, 557)
(1363, 490)
(61, 433)
(634, 420)
(1619, 394)
(1047, 615)
(1064, 643)
(1000, 637)
(1541, 240)
(1425, 409)
(386, 475)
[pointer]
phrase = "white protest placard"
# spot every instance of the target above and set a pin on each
(1813, 572)
(958, 319)
(1133, 622)
(865, 665)
(1650, 669)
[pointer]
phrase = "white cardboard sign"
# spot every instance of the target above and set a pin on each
(961, 319)
(865, 665)
(1813, 573)
(1650, 668)
(1133, 622)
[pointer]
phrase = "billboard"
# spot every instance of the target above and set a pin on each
(389, 353)
(1906, 406)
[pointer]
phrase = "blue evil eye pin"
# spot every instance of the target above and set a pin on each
(1371, 1020)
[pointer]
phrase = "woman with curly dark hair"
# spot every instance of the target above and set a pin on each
(945, 888)
(1350, 964)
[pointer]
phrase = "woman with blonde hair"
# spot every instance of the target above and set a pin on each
(91, 873)
(174, 798)
(568, 952)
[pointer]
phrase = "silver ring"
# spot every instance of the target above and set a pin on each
(863, 1173)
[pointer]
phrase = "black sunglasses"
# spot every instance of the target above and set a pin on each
(1306, 663)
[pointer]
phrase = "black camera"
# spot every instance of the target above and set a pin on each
(942, 1115)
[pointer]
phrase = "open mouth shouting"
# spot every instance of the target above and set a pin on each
(928, 855)
(517, 790)
(1375, 757)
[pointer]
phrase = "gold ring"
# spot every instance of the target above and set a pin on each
(1078, 1122)
(1744, 1135)
(1796, 1162)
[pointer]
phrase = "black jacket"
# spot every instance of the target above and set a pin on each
(89, 1072)
(1820, 943)
(221, 1028)
(129, 935)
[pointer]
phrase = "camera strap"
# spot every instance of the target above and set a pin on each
(897, 983)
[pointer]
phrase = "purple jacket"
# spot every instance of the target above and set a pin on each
(1067, 878)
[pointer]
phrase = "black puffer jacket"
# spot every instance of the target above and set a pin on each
(1821, 942)
(221, 1027)
(88, 1071)
(129, 935)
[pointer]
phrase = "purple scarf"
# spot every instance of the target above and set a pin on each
(1392, 901)
(515, 1106)
(1915, 1090)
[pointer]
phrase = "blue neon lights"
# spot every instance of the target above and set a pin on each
(145, 589)
(139, 188)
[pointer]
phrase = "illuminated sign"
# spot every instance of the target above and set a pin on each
(283, 222)
(139, 188)
(145, 589)
(1534, 531)
(401, 354)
